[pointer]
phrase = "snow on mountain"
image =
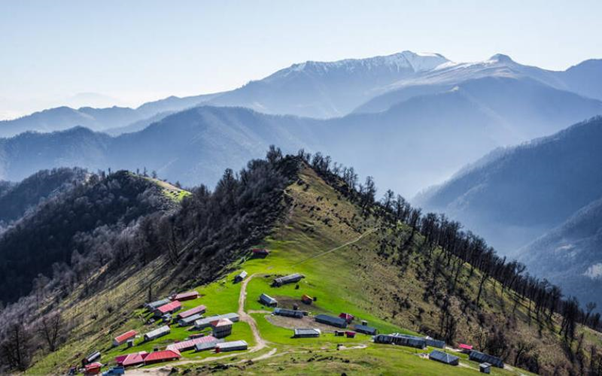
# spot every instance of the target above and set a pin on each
(417, 62)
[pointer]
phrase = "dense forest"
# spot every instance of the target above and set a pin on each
(56, 231)
(119, 219)
(16, 199)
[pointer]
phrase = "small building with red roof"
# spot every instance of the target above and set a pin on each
(465, 348)
(121, 339)
(162, 356)
(260, 252)
(348, 317)
(190, 295)
(191, 343)
(133, 359)
(168, 308)
(221, 328)
(92, 368)
(199, 310)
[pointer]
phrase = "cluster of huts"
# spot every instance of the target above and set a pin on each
(169, 310)
(485, 360)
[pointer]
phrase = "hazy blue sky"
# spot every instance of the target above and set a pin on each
(134, 51)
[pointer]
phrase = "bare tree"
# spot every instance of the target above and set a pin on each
(51, 328)
(16, 349)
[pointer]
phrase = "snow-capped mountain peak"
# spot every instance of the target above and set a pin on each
(417, 62)
(500, 58)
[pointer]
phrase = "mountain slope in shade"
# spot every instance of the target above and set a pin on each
(585, 78)
(97, 119)
(518, 194)
(198, 144)
(438, 133)
(61, 118)
(190, 146)
(56, 228)
(571, 254)
(27, 153)
(27, 194)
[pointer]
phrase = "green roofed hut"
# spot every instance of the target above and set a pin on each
(443, 357)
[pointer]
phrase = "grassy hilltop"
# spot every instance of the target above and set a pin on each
(353, 262)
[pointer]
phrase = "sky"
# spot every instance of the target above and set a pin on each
(108, 52)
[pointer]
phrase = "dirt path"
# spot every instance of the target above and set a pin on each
(245, 317)
(260, 343)
(339, 247)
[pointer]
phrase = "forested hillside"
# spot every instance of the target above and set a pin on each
(382, 260)
(78, 222)
(518, 194)
(17, 199)
(570, 255)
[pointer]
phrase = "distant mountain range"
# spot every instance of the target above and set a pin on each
(413, 144)
(571, 254)
(410, 120)
(17, 199)
(550, 190)
(324, 90)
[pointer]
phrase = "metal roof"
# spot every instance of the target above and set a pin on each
(189, 320)
(193, 311)
(307, 331)
(157, 303)
(289, 279)
(288, 313)
(264, 298)
(233, 345)
(365, 329)
(242, 275)
(189, 344)
(331, 320)
(125, 336)
(169, 307)
(158, 356)
(186, 295)
(207, 345)
(444, 357)
(158, 332)
(486, 358)
(206, 322)
(435, 342)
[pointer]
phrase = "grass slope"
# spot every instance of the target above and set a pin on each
(350, 265)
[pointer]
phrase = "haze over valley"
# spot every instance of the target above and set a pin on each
(319, 202)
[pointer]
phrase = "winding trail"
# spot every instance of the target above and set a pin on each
(371, 231)
(260, 343)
